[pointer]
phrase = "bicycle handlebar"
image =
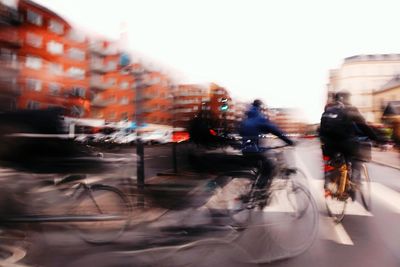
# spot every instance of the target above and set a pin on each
(274, 147)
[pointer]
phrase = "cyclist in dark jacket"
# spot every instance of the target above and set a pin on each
(250, 129)
(344, 138)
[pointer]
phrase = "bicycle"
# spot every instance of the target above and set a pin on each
(100, 213)
(285, 210)
(340, 187)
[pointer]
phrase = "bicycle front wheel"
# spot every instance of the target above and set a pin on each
(105, 214)
(296, 220)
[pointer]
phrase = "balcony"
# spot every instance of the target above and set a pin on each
(9, 16)
(10, 38)
(145, 97)
(8, 88)
(98, 68)
(138, 71)
(99, 85)
(101, 102)
(102, 51)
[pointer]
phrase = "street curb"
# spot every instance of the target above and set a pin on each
(385, 164)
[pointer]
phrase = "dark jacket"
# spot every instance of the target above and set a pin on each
(256, 124)
(355, 125)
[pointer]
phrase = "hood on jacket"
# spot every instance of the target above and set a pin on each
(253, 112)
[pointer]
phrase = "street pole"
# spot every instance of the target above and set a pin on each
(174, 159)
(139, 144)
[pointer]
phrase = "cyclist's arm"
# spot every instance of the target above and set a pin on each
(268, 127)
(362, 125)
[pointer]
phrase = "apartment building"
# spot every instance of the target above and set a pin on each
(362, 75)
(9, 45)
(287, 119)
(156, 98)
(389, 93)
(53, 62)
(188, 101)
(112, 88)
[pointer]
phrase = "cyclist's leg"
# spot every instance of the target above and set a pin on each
(328, 152)
(267, 171)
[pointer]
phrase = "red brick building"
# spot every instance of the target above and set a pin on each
(112, 88)
(45, 62)
(156, 98)
(53, 62)
(9, 66)
(188, 101)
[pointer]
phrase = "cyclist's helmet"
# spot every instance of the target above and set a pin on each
(257, 103)
(343, 97)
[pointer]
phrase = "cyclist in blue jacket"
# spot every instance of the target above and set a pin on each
(250, 129)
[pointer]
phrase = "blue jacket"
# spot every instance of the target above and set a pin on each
(256, 124)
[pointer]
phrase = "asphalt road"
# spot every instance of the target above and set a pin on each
(363, 239)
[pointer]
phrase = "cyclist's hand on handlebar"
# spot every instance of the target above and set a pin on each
(291, 143)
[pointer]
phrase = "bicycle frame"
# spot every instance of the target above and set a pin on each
(343, 182)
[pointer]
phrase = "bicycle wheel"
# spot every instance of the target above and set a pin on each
(336, 208)
(365, 188)
(296, 224)
(227, 204)
(105, 214)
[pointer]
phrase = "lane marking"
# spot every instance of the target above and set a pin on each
(386, 195)
(329, 230)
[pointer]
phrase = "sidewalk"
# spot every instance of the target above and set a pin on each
(386, 158)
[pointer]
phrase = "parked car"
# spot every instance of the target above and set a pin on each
(157, 137)
(125, 139)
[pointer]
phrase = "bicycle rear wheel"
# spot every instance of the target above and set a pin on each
(105, 214)
(365, 188)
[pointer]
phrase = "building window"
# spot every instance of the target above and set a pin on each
(111, 65)
(54, 88)
(34, 85)
(112, 81)
(55, 48)
(77, 111)
(34, 18)
(76, 53)
(124, 101)
(32, 105)
(55, 68)
(56, 27)
(34, 40)
(124, 85)
(33, 62)
(79, 92)
(75, 36)
(76, 73)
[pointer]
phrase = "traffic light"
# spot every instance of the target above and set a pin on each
(224, 106)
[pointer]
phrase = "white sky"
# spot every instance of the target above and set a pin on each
(279, 51)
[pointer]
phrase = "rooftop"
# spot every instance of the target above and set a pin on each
(375, 57)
